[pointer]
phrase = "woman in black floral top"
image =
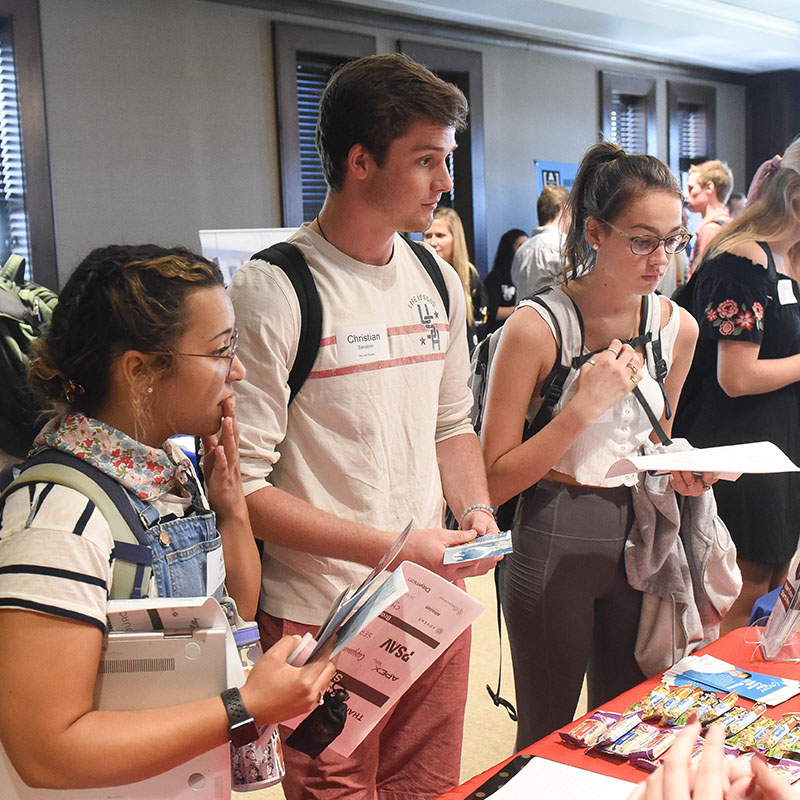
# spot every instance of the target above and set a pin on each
(744, 384)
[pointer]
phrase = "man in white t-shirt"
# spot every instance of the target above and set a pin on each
(537, 263)
(380, 430)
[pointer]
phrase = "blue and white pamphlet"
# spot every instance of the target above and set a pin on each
(719, 676)
(488, 546)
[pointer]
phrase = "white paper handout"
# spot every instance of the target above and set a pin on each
(399, 631)
(727, 462)
(548, 780)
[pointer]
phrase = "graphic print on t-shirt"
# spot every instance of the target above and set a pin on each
(426, 309)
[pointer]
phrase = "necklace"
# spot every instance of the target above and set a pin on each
(319, 225)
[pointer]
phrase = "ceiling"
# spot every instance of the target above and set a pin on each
(738, 35)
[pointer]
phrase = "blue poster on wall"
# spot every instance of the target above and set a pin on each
(554, 173)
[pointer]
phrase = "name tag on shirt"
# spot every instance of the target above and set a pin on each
(215, 571)
(786, 292)
(362, 344)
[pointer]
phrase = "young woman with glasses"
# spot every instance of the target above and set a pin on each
(567, 603)
(142, 346)
(744, 384)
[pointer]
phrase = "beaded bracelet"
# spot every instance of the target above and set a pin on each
(477, 507)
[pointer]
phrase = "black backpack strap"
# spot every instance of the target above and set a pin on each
(497, 698)
(288, 258)
(428, 260)
(554, 383)
(660, 365)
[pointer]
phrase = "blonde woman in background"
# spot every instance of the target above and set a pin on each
(446, 236)
(744, 384)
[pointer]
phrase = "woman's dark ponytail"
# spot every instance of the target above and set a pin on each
(608, 180)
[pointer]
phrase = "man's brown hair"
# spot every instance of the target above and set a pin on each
(550, 202)
(373, 101)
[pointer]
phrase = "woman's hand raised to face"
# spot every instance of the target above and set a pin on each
(607, 377)
(221, 465)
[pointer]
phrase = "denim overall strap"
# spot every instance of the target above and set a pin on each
(181, 549)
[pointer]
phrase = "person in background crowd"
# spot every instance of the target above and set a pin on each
(709, 186)
(446, 237)
(499, 286)
(736, 203)
(744, 385)
(566, 598)
(142, 346)
(537, 264)
(332, 478)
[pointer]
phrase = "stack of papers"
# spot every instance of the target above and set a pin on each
(719, 676)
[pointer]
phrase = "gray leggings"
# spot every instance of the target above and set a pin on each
(567, 603)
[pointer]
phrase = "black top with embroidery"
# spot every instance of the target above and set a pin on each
(732, 298)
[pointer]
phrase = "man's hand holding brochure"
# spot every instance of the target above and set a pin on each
(384, 635)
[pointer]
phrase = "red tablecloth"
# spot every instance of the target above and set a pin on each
(732, 648)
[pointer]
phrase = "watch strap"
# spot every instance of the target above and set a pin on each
(242, 728)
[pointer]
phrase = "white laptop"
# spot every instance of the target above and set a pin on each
(150, 670)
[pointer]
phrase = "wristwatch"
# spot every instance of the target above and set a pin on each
(242, 728)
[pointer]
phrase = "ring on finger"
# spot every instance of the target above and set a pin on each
(321, 700)
(634, 380)
(591, 361)
(615, 352)
(632, 367)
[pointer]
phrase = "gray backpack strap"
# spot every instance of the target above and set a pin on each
(132, 558)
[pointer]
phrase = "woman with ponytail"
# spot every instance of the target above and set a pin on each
(142, 346)
(566, 599)
(744, 384)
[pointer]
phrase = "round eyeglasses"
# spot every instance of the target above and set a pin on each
(644, 245)
(229, 352)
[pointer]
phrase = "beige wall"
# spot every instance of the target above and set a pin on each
(161, 120)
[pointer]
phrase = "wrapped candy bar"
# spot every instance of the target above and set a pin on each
(715, 708)
(673, 709)
(616, 731)
(728, 720)
(785, 726)
(788, 770)
(745, 720)
(644, 741)
(587, 732)
(750, 738)
(653, 698)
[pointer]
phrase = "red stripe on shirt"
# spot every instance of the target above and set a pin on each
(399, 330)
(393, 362)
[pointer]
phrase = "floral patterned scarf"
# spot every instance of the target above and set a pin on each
(147, 471)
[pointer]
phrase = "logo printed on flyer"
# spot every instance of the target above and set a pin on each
(383, 672)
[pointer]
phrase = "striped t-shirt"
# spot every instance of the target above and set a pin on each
(55, 551)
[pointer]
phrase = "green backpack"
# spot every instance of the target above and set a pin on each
(25, 312)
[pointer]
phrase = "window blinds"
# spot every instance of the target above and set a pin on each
(629, 122)
(14, 230)
(693, 131)
(313, 71)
